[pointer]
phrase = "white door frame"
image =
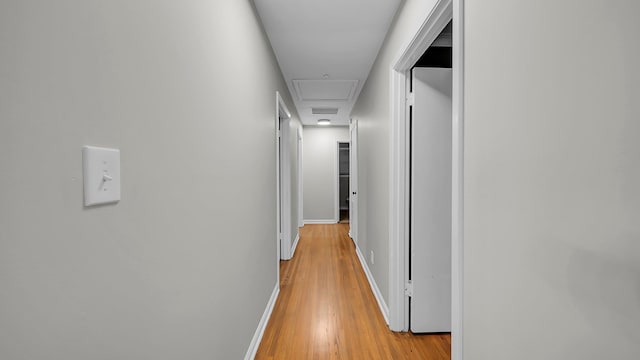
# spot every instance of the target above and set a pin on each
(442, 13)
(283, 175)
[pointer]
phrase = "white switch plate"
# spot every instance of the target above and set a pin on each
(101, 169)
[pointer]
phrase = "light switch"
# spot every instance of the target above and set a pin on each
(101, 168)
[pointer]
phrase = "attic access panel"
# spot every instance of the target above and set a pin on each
(325, 90)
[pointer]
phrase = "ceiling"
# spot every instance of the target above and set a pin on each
(325, 49)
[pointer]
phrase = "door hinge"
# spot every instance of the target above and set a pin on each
(408, 288)
(411, 99)
(278, 133)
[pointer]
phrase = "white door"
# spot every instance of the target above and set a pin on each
(431, 201)
(353, 180)
(285, 191)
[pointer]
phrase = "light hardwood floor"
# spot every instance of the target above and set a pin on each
(326, 309)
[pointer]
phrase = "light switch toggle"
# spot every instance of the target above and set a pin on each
(106, 178)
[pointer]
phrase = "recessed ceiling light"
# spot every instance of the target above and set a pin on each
(324, 122)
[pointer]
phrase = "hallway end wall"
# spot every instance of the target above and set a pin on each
(320, 171)
(154, 276)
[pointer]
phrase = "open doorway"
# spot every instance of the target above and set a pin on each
(283, 176)
(353, 179)
(343, 182)
(400, 276)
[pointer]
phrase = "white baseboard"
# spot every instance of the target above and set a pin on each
(323, 221)
(374, 287)
(262, 325)
(295, 245)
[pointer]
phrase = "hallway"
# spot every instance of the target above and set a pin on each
(326, 309)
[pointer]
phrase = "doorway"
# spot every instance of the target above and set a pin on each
(343, 201)
(283, 176)
(401, 285)
(353, 179)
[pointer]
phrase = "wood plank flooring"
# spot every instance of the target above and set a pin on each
(326, 309)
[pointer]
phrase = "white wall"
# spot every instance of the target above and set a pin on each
(156, 275)
(552, 167)
(373, 113)
(320, 171)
